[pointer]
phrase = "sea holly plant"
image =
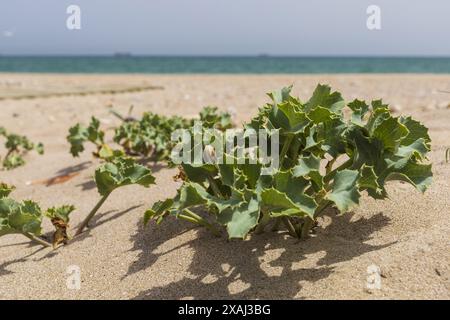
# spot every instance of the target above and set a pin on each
(146, 138)
(17, 146)
(119, 172)
(150, 136)
(26, 218)
(79, 135)
(330, 152)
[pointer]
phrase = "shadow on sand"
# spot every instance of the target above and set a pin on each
(342, 240)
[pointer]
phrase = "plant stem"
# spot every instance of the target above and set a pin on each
(91, 214)
(285, 149)
(289, 226)
(265, 219)
(324, 205)
(10, 151)
(116, 114)
(195, 218)
(188, 218)
(37, 239)
(307, 225)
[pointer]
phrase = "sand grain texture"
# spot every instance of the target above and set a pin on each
(407, 237)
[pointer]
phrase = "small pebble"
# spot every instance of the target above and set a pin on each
(396, 108)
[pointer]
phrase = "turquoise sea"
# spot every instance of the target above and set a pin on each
(258, 65)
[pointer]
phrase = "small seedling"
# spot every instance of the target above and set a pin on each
(17, 146)
(5, 190)
(326, 160)
(26, 217)
(119, 172)
(59, 217)
(79, 134)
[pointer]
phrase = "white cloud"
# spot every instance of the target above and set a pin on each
(8, 34)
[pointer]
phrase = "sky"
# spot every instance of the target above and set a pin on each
(226, 27)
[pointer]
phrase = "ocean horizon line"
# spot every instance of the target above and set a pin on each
(123, 62)
(262, 55)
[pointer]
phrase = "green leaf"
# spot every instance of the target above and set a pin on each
(323, 97)
(40, 148)
(390, 132)
(416, 131)
(77, 136)
(13, 161)
(277, 203)
(330, 136)
(121, 172)
(418, 148)
(345, 190)
(192, 195)
(25, 217)
(368, 179)
(417, 141)
(418, 175)
(294, 121)
(227, 174)
(294, 188)
(108, 154)
(240, 220)
(320, 114)
(61, 213)
(5, 190)
(199, 173)
(279, 96)
(160, 208)
(360, 109)
(306, 165)
(309, 167)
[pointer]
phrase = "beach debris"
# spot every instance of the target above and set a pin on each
(396, 108)
(55, 180)
(443, 105)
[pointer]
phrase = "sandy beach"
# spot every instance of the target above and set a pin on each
(407, 236)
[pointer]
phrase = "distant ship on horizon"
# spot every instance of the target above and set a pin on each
(122, 54)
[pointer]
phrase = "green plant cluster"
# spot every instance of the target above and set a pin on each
(17, 146)
(330, 153)
(148, 137)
